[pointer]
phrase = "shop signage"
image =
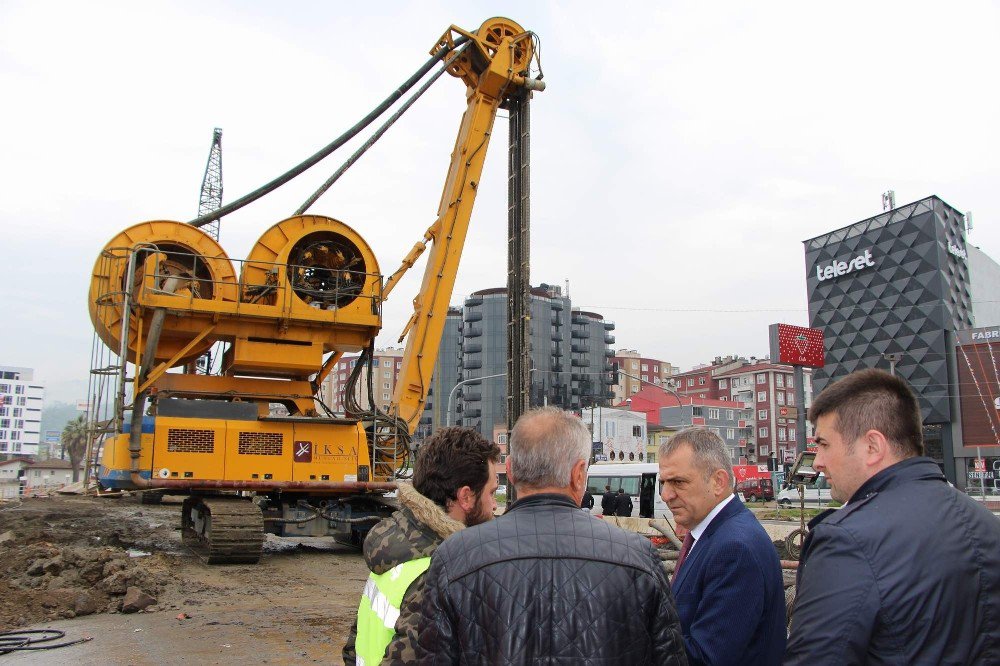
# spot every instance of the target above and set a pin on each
(837, 268)
(957, 251)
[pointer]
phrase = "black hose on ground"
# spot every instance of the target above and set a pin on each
(22, 639)
(327, 150)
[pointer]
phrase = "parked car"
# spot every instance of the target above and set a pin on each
(754, 490)
(816, 493)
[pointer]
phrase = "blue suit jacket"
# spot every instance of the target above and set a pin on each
(729, 593)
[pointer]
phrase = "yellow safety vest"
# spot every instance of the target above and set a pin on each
(379, 609)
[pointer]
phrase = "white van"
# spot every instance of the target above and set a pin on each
(817, 493)
(638, 480)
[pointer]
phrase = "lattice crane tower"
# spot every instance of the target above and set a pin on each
(211, 185)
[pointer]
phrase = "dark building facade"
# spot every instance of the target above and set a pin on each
(890, 292)
(570, 360)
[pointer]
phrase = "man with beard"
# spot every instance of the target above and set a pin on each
(454, 486)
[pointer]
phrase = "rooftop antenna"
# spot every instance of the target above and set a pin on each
(889, 200)
(968, 221)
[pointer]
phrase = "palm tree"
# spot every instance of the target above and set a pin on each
(74, 441)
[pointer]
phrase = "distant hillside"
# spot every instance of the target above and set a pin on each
(55, 416)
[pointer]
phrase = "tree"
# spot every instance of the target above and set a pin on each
(74, 441)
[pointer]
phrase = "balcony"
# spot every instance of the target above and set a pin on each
(580, 320)
(609, 339)
(472, 397)
(581, 362)
(557, 352)
(472, 364)
(609, 326)
(473, 331)
(557, 304)
(610, 353)
(581, 348)
(607, 367)
(556, 319)
(472, 413)
(473, 301)
(557, 337)
(472, 348)
(557, 367)
(580, 334)
(473, 315)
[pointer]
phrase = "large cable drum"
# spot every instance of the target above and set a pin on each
(195, 264)
(311, 262)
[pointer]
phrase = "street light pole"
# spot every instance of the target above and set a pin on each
(451, 394)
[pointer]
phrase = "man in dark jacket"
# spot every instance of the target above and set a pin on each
(588, 501)
(908, 571)
(609, 502)
(545, 582)
(454, 483)
(623, 504)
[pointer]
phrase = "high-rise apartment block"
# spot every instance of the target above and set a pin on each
(20, 411)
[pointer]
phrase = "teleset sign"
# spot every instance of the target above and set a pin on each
(837, 268)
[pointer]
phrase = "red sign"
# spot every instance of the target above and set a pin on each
(795, 345)
(744, 472)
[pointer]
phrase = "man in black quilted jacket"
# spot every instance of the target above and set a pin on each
(546, 582)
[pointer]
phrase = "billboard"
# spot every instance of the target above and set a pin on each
(978, 360)
(796, 345)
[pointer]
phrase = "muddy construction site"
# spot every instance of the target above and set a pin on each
(116, 572)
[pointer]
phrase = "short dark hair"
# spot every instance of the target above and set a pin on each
(874, 400)
(451, 458)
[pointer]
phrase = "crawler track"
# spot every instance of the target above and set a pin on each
(223, 530)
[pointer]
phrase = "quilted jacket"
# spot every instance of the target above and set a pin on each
(547, 583)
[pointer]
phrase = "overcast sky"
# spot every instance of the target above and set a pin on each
(681, 152)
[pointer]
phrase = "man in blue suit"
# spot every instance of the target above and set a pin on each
(727, 584)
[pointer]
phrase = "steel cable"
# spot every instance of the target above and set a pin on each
(330, 148)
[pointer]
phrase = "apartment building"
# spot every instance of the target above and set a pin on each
(386, 364)
(636, 371)
(20, 411)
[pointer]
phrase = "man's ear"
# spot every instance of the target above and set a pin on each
(721, 484)
(465, 498)
(510, 477)
(578, 475)
(877, 448)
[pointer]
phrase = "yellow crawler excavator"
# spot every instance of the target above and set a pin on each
(163, 293)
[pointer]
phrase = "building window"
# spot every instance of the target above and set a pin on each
(19, 389)
(656, 368)
(761, 396)
(762, 432)
(729, 415)
(779, 379)
(15, 435)
(645, 368)
(701, 381)
(637, 431)
(762, 414)
(645, 378)
(21, 401)
(385, 385)
(730, 433)
(782, 434)
(4, 388)
(690, 381)
(399, 365)
(790, 383)
(374, 362)
(761, 378)
(780, 395)
(723, 384)
(15, 447)
(791, 399)
(4, 423)
(3, 446)
(385, 396)
(696, 411)
(635, 389)
(635, 365)
(713, 413)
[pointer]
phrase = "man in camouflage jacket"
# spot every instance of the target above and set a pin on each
(454, 485)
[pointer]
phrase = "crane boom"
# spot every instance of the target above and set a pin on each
(494, 66)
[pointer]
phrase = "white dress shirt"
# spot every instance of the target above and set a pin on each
(700, 528)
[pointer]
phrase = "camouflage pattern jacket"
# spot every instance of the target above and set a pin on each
(414, 531)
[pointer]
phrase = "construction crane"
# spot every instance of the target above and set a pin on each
(163, 292)
(210, 199)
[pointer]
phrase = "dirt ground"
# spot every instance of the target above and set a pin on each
(67, 562)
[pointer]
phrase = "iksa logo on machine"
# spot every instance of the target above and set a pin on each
(837, 268)
(323, 453)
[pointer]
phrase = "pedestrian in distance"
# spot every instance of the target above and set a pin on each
(609, 502)
(727, 582)
(545, 583)
(454, 486)
(908, 570)
(588, 501)
(623, 504)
